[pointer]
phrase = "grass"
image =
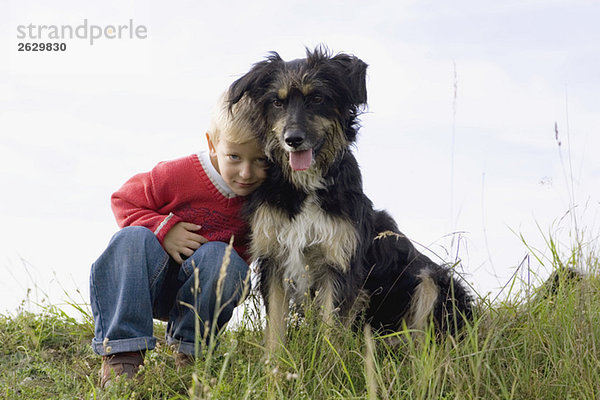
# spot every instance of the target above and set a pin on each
(532, 346)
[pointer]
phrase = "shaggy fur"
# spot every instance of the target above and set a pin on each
(315, 234)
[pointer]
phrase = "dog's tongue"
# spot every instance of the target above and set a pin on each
(300, 160)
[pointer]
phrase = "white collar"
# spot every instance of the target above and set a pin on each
(214, 175)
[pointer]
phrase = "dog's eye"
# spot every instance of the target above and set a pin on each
(277, 103)
(317, 99)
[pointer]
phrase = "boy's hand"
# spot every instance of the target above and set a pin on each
(181, 241)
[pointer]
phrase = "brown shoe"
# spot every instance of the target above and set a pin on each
(183, 360)
(120, 364)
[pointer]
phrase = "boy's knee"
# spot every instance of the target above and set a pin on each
(219, 249)
(211, 257)
(134, 233)
(132, 247)
(134, 236)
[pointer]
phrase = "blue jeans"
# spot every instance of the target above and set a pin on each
(135, 280)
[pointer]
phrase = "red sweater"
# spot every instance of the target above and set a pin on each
(180, 190)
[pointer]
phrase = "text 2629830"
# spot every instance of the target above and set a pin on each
(42, 46)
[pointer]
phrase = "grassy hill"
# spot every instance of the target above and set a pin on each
(536, 346)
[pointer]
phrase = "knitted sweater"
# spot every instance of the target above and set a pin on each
(188, 189)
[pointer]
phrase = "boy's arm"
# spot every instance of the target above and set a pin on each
(143, 201)
(181, 241)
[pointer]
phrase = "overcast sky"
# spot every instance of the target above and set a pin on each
(458, 141)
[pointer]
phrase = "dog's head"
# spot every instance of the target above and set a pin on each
(307, 108)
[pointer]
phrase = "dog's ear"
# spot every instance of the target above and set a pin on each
(356, 74)
(255, 81)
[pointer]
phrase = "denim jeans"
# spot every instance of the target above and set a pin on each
(135, 280)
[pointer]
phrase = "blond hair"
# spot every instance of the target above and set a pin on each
(231, 123)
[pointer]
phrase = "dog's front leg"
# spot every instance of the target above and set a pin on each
(277, 309)
(325, 299)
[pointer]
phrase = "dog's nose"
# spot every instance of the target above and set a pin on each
(294, 138)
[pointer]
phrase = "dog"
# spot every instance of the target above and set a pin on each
(314, 233)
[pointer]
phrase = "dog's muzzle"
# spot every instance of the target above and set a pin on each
(300, 157)
(294, 138)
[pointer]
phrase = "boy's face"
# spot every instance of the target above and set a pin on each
(243, 166)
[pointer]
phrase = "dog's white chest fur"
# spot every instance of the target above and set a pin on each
(304, 247)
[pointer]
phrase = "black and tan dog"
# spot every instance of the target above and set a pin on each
(315, 233)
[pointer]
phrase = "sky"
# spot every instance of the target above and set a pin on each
(480, 137)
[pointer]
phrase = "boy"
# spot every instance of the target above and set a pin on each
(179, 215)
